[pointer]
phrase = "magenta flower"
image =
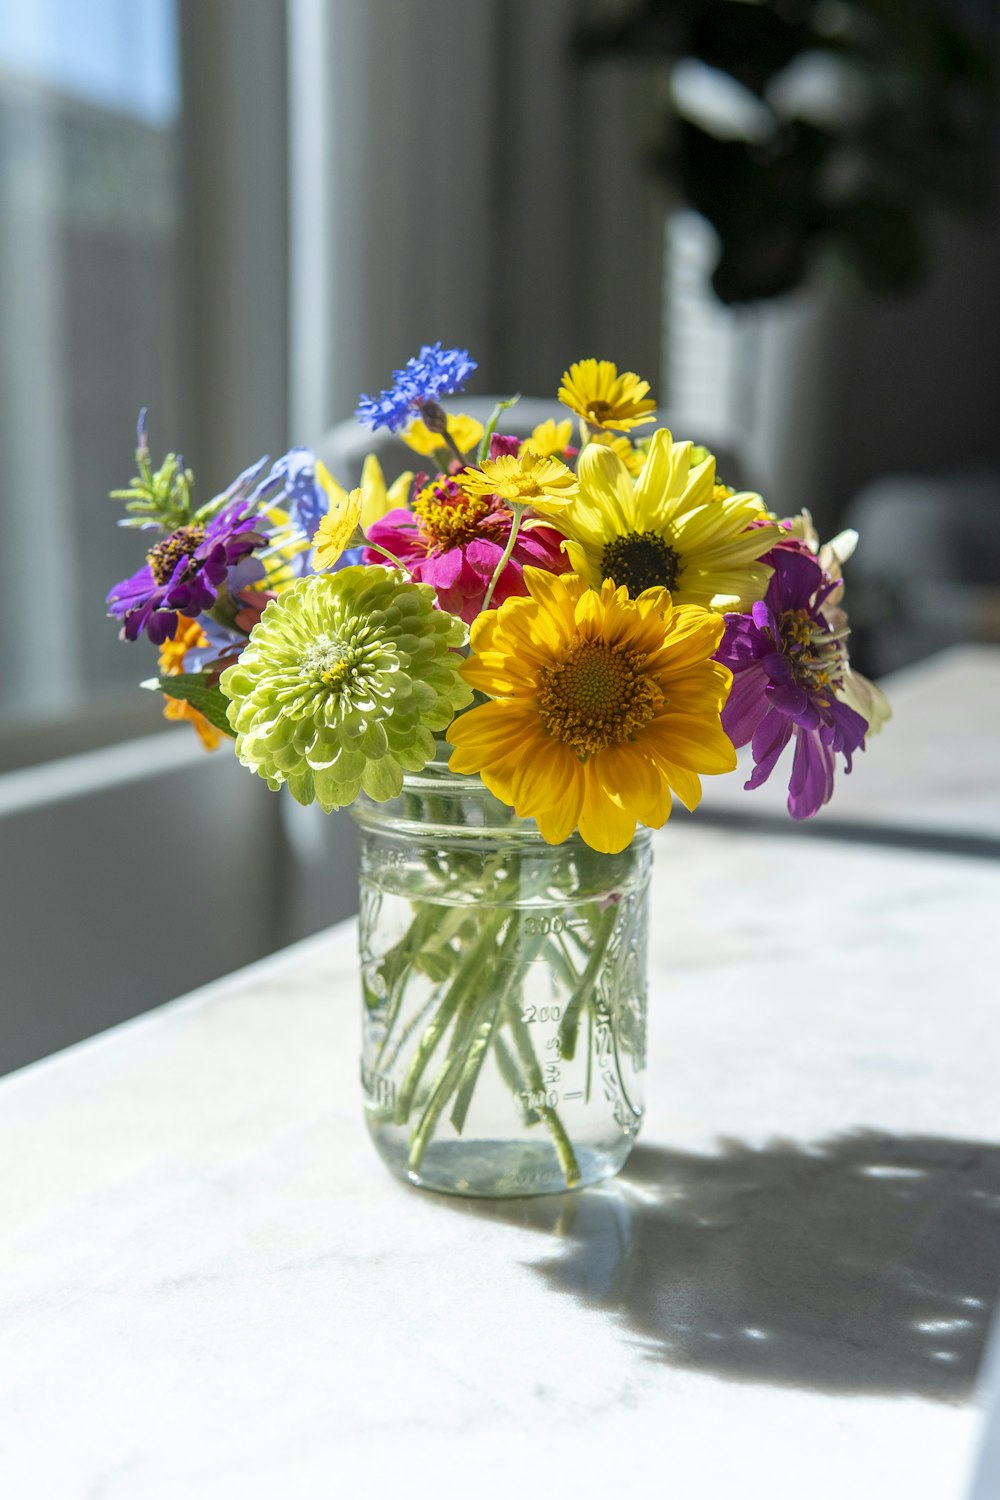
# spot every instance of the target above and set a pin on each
(788, 665)
(454, 541)
(183, 573)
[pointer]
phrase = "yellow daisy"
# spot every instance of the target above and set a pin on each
(377, 499)
(548, 438)
(603, 398)
(601, 707)
(669, 528)
(544, 483)
(464, 431)
(340, 522)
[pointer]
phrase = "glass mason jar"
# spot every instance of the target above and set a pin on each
(504, 993)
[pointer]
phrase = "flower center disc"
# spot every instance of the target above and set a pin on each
(596, 696)
(329, 663)
(641, 560)
(815, 657)
(164, 557)
(448, 517)
(599, 411)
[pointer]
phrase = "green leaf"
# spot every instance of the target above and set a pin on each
(192, 687)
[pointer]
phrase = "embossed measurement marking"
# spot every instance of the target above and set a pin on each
(378, 1088)
(544, 925)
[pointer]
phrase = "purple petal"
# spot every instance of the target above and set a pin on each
(811, 783)
(791, 699)
(483, 556)
(770, 738)
(745, 706)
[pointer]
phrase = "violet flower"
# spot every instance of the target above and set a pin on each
(788, 664)
(183, 573)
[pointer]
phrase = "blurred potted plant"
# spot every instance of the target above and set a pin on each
(815, 130)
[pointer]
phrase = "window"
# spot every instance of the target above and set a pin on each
(91, 284)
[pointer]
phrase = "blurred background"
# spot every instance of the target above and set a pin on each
(242, 213)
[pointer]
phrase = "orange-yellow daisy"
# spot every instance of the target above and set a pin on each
(669, 528)
(189, 636)
(602, 706)
(544, 483)
(603, 398)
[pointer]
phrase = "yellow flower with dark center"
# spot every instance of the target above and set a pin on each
(602, 708)
(340, 522)
(603, 398)
(464, 431)
(548, 438)
(544, 483)
(667, 529)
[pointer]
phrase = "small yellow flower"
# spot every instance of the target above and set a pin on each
(602, 707)
(376, 499)
(603, 398)
(543, 483)
(340, 522)
(548, 439)
(464, 431)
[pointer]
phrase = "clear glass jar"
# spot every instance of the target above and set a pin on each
(504, 993)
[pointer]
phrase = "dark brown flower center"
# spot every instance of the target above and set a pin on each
(641, 560)
(183, 543)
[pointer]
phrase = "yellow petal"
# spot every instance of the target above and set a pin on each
(604, 823)
(340, 522)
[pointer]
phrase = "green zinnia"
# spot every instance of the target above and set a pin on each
(344, 680)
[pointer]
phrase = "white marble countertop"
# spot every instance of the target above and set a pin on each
(210, 1287)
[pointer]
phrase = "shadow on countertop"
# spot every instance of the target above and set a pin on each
(869, 1263)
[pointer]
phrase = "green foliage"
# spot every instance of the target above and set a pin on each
(192, 687)
(162, 497)
(847, 169)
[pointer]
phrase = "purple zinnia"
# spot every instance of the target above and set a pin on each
(435, 372)
(788, 666)
(183, 573)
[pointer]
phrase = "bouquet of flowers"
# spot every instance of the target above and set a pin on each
(583, 621)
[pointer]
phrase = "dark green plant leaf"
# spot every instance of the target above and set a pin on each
(192, 688)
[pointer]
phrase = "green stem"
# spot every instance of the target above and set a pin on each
(455, 448)
(447, 1080)
(529, 1062)
(470, 970)
(602, 930)
(505, 556)
(377, 547)
(484, 443)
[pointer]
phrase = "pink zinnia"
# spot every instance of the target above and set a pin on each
(453, 541)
